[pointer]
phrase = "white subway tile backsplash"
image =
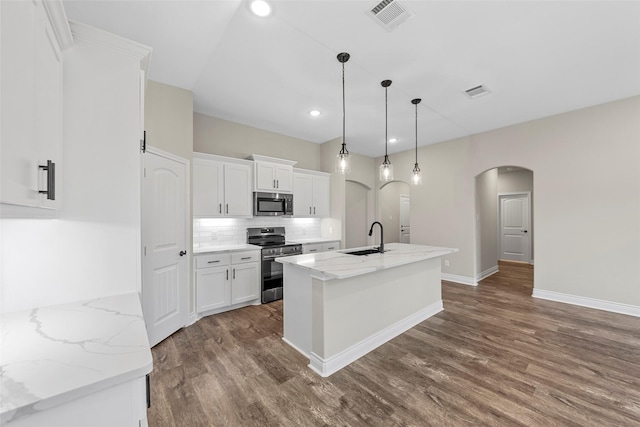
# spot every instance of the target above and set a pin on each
(214, 231)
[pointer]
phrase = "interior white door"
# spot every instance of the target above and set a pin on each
(515, 239)
(165, 273)
(405, 223)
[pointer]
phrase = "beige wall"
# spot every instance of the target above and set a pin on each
(168, 118)
(486, 221)
(389, 209)
(224, 138)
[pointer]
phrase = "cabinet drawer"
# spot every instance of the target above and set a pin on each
(212, 260)
(333, 246)
(242, 257)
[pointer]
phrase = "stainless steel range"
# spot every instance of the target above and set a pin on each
(274, 245)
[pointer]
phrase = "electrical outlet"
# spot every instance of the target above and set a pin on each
(446, 263)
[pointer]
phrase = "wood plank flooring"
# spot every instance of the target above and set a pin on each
(495, 356)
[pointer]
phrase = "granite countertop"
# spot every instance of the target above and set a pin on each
(338, 265)
(56, 354)
(225, 248)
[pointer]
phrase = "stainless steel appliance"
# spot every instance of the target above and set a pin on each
(274, 245)
(272, 204)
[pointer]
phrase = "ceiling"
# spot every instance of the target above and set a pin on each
(538, 58)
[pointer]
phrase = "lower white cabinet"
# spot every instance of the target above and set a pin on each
(309, 248)
(226, 279)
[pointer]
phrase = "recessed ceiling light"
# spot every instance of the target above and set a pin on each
(260, 8)
(393, 140)
(314, 113)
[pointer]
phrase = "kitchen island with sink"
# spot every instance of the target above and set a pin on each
(340, 306)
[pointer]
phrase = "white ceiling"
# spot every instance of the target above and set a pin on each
(538, 58)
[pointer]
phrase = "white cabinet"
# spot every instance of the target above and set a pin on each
(226, 280)
(309, 248)
(311, 194)
(31, 88)
(221, 188)
(273, 175)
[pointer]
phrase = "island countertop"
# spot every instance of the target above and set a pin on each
(53, 355)
(339, 265)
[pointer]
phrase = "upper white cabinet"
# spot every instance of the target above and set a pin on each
(273, 175)
(32, 36)
(311, 193)
(221, 188)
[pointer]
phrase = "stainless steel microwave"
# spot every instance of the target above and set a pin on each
(272, 204)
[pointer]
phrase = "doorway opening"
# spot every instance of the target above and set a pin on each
(504, 218)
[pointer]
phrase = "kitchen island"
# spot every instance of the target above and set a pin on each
(338, 307)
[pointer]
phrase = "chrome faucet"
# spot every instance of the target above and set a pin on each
(381, 235)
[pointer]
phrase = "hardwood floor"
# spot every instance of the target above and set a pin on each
(495, 356)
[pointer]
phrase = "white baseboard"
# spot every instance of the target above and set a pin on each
(615, 307)
(464, 280)
(326, 367)
(488, 272)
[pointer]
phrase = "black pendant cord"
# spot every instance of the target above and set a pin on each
(385, 84)
(342, 58)
(415, 102)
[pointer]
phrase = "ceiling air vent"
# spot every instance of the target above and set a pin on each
(390, 14)
(477, 91)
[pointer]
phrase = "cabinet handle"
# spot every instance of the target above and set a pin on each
(314, 210)
(277, 183)
(309, 210)
(313, 250)
(220, 208)
(51, 180)
(227, 274)
(246, 257)
(212, 262)
(148, 387)
(234, 273)
(274, 183)
(227, 208)
(331, 248)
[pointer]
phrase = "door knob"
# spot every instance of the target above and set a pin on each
(524, 231)
(183, 253)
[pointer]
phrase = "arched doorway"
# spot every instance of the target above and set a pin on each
(358, 208)
(504, 218)
(389, 208)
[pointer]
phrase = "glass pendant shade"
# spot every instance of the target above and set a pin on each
(386, 168)
(343, 165)
(416, 177)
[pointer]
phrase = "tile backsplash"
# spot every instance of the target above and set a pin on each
(232, 231)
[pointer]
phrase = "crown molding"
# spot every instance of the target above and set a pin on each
(108, 40)
(58, 18)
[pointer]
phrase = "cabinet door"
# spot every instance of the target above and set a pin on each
(321, 196)
(265, 176)
(284, 178)
(48, 109)
(237, 190)
(302, 195)
(245, 282)
(18, 180)
(212, 288)
(208, 188)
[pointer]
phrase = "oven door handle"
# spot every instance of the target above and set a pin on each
(270, 257)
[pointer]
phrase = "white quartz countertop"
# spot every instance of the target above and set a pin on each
(338, 265)
(52, 355)
(225, 248)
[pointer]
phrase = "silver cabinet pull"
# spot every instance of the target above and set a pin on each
(51, 180)
(246, 257)
(212, 262)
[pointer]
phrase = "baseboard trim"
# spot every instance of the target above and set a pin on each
(464, 280)
(488, 272)
(615, 307)
(328, 366)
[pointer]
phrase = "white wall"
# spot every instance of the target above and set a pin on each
(91, 248)
(487, 221)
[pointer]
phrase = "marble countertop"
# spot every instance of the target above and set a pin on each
(53, 355)
(338, 265)
(225, 248)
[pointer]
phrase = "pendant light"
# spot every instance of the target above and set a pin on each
(343, 165)
(386, 168)
(416, 178)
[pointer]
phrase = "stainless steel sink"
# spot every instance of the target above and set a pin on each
(364, 252)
